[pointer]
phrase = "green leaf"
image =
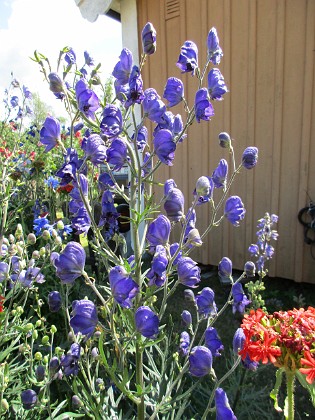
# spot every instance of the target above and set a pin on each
(309, 387)
(68, 415)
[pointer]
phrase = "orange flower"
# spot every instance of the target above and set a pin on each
(309, 371)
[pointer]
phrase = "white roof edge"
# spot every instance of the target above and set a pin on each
(91, 9)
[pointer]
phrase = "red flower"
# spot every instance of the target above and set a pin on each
(65, 188)
(2, 299)
(262, 349)
(309, 371)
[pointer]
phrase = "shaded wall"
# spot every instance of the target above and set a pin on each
(268, 65)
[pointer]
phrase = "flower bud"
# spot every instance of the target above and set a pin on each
(94, 352)
(60, 225)
(42, 251)
(11, 239)
(4, 405)
(46, 235)
(45, 340)
(189, 295)
(99, 385)
(203, 186)
(225, 140)
(29, 399)
(250, 157)
(53, 329)
(31, 239)
(250, 269)
(40, 373)
(148, 37)
(186, 317)
(55, 83)
(54, 364)
(35, 335)
(38, 356)
(76, 402)
(35, 255)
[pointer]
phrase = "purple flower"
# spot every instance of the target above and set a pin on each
(94, 149)
(81, 221)
(240, 300)
(152, 105)
(4, 270)
(50, 133)
(159, 231)
(174, 203)
(156, 274)
(40, 373)
(216, 85)
(238, 344)
(213, 342)
(223, 409)
(200, 361)
(27, 93)
(148, 37)
(67, 172)
(205, 302)
(111, 124)
(220, 174)
(105, 181)
(88, 59)
(193, 238)
(54, 301)
(121, 91)
(70, 361)
(83, 317)
(249, 269)
(204, 185)
(186, 317)
(203, 107)
(188, 58)
(214, 51)
(27, 277)
(117, 154)
(122, 69)
(123, 288)
(55, 83)
(142, 137)
(14, 101)
(29, 399)
(70, 263)
(88, 101)
(173, 91)
(188, 272)
(184, 343)
(250, 157)
(135, 93)
(165, 147)
(173, 249)
(253, 249)
(225, 269)
(70, 57)
(234, 210)
(147, 322)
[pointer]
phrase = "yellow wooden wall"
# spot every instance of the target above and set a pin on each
(268, 65)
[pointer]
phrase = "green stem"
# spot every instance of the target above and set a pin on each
(289, 414)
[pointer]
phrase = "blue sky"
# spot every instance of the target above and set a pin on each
(48, 26)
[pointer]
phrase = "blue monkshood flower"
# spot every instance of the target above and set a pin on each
(223, 409)
(14, 101)
(81, 184)
(204, 184)
(111, 123)
(52, 182)
(83, 317)
(200, 361)
(116, 154)
(148, 37)
(213, 342)
(159, 231)
(168, 186)
(250, 157)
(76, 402)
(29, 110)
(174, 203)
(50, 133)
(234, 210)
(26, 92)
(109, 214)
(269, 251)
(121, 91)
(193, 238)
(40, 224)
(147, 322)
(4, 271)
(27, 277)
(40, 373)
(135, 93)
(123, 287)
(225, 140)
(203, 107)
(54, 301)
(184, 343)
(123, 68)
(166, 122)
(249, 269)
(253, 250)
(77, 127)
(153, 107)
(94, 149)
(190, 222)
(165, 147)
(225, 269)
(240, 300)
(238, 344)
(70, 263)
(189, 295)
(219, 175)
(81, 221)
(214, 50)
(188, 58)
(29, 399)
(178, 128)
(70, 361)
(142, 137)
(15, 83)
(19, 113)
(157, 273)
(105, 181)
(147, 164)
(54, 364)
(188, 272)
(216, 85)
(55, 83)
(173, 248)
(88, 59)
(173, 91)
(205, 302)
(70, 57)
(88, 101)
(186, 317)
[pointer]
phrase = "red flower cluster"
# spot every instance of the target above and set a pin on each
(285, 338)
(2, 299)
(65, 188)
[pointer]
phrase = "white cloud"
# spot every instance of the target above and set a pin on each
(47, 26)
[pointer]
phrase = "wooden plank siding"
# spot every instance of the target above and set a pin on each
(269, 67)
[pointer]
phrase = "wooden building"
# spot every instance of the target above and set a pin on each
(269, 67)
